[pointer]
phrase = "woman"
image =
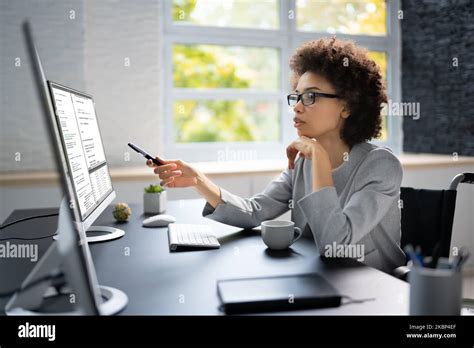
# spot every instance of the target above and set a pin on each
(343, 190)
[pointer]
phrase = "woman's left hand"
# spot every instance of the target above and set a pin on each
(306, 147)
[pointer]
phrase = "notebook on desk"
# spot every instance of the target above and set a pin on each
(280, 293)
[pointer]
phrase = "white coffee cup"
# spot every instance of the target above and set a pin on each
(280, 234)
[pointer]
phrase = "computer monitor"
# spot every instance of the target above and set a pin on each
(70, 254)
(76, 121)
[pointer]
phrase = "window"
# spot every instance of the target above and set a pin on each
(211, 67)
(226, 68)
(342, 16)
(262, 14)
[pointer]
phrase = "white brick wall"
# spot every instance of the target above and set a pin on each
(87, 54)
(60, 43)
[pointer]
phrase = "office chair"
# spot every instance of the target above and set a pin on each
(427, 219)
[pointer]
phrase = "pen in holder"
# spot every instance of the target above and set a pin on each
(435, 282)
(435, 291)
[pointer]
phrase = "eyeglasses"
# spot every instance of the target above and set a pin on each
(307, 98)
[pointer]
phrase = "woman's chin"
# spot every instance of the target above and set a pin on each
(302, 133)
(309, 133)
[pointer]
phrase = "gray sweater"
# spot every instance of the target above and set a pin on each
(360, 213)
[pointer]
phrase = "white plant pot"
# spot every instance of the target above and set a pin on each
(154, 203)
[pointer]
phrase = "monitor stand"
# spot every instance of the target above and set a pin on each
(107, 233)
(56, 302)
(44, 299)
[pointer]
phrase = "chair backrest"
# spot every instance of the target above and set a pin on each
(427, 218)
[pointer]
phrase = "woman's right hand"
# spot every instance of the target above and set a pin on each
(175, 173)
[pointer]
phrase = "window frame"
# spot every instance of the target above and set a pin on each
(286, 39)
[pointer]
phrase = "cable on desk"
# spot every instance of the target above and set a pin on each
(27, 218)
(355, 300)
(35, 238)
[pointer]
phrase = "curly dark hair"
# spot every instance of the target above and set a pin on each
(356, 78)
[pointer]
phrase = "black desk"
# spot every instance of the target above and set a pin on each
(160, 282)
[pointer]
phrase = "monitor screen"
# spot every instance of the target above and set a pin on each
(79, 130)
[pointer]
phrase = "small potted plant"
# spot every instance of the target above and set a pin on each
(154, 199)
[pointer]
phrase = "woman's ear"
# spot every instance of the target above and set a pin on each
(345, 112)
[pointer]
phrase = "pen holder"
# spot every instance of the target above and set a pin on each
(435, 291)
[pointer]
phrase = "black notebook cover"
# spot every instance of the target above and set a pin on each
(281, 293)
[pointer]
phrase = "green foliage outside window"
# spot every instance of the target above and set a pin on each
(209, 67)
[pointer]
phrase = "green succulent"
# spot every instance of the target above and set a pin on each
(154, 189)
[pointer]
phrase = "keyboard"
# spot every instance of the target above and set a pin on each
(191, 237)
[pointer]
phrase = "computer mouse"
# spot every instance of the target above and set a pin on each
(161, 220)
